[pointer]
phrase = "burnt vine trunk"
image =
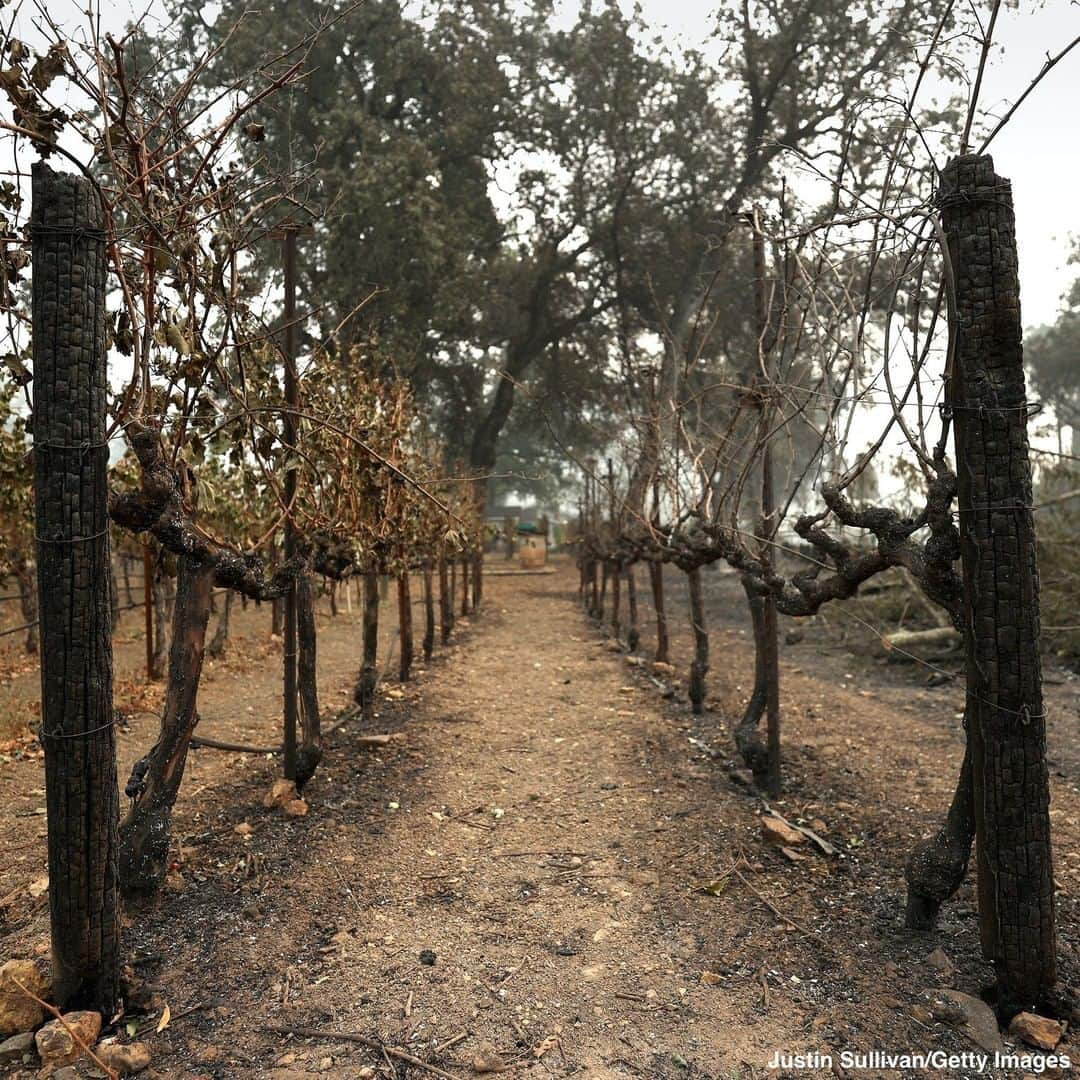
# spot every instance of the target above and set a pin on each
(663, 638)
(70, 392)
(429, 612)
(699, 666)
(220, 639)
(145, 837)
(633, 633)
(405, 624)
(368, 680)
(937, 867)
(1006, 718)
(446, 601)
(616, 602)
(748, 738)
(311, 748)
(25, 572)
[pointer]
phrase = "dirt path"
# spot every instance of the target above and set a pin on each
(546, 826)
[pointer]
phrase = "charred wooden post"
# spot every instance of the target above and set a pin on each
(145, 833)
(699, 666)
(663, 638)
(71, 454)
(310, 752)
(368, 680)
(1006, 717)
(464, 586)
(405, 624)
(633, 633)
(478, 579)
(429, 612)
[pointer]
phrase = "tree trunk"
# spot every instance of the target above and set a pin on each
(453, 591)
(25, 572)
(368, 680)
(601, 601)
(333, 599)
(145, 837)
(1006, 719)
(663, 639)
(311, 749)
(748, 738)
(464, 586)
(633, 634)
(221, 634)
(699, 667)
(71, 522)
(937, 866)
(275, 617)
(446, 600)
(405, 628)
(429, 612)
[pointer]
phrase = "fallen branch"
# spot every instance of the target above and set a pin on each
(363, 1040)
(112, 1074)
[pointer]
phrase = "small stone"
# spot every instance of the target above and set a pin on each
(243, 829)
(488, 1060)
(1038, 1031)
(125, 1058)
(19, 1013)
(921, 1014)
(427, 957)
(296, 808)
(777, 831)
(68, 1072)
(57, 1046)
(971, 1017)
(940, 962)
(660, 668)
(282, 793)
(12, 1050)
(793, 637)
(742, 777)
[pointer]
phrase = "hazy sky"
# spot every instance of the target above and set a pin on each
(1039, 150)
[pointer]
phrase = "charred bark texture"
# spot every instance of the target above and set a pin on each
(465, 586)
(1006, 718)
(311, 748)
(405, 624)
(699, 666)
(748, 738)
(145, 835)
(368, 680)
(70, 391)
(938, 865)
